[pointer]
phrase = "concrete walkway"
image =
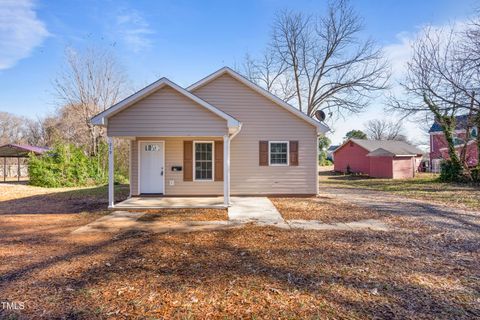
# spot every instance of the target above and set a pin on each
(112, 222)
(372, 224)
(258, 210)
(122, 220)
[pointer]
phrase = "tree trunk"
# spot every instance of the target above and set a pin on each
(477, 123)
(448, 132)
(447, 123)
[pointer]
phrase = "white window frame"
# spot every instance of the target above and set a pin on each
(269, 153)
(195, 160)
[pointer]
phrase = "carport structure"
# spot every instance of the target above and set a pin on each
(17, 151)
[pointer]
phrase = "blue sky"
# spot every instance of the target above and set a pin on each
(182, 40)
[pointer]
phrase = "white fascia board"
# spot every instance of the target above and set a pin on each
(321, 127)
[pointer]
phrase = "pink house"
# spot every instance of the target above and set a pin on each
(439, 148)
(378, 158)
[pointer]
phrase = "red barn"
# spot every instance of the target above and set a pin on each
(378, 158)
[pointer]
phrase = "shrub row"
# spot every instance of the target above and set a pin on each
(69, 166)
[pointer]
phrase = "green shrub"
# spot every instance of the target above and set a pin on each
(325, 162)
(476, 174)
(69, 166)
(451, 172)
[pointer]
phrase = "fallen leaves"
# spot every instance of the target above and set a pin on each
(420, 271)
(325, 209)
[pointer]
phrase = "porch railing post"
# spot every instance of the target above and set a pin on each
(226, 170)
(111, 195)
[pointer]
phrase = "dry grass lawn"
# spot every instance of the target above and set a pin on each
(423, 187)
(418, 272)
(325, 209)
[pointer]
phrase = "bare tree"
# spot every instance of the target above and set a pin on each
(91, 82)
(438, 85)
(270, 73)
(324, 62)
(429, 93)
(382, 129)
(12, 129)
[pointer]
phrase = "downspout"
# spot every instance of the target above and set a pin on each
(227, 141)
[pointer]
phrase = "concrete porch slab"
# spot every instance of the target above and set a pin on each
(139, 203)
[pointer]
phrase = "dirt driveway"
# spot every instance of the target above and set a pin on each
(452, 219)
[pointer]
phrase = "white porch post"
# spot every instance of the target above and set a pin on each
(111, 195)
(226, 170)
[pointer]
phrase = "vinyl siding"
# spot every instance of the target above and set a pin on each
(166, 113)
(262, 119)
(174, 157)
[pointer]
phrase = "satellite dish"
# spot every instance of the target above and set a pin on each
(320, 115)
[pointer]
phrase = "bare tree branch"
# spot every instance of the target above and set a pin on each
(91, 82)
(382, 129)
(320, 63)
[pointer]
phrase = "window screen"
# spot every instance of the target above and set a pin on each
(278, 153)
(203, 161)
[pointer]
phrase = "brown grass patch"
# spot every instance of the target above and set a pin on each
(25, 199)
(425, 186)
(248, 273)
(417, 272)
(325, 209)
(185, 215)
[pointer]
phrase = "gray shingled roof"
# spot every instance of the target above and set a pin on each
(387, 147)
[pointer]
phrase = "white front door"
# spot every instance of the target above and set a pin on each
(151, 167)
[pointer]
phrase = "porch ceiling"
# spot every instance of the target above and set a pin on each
(170, 202)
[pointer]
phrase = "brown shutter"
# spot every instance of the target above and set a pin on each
(263, 153)
(294, 153)
(218, 160)
(187, 160)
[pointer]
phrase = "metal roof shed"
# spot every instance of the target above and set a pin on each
(17, 151)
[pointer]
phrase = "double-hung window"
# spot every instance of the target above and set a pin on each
(278, 153)
(203, 163)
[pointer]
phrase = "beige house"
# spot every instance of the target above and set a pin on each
(221, 136)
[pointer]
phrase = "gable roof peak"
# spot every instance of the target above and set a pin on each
(100, 119)
(321, 127)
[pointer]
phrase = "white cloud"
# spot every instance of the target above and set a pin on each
(400, 52)
(134, 30)
(20, 31)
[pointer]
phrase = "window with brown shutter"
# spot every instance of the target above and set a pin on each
(187, 160)
(218, 160)
(293, 153)
(263, 153)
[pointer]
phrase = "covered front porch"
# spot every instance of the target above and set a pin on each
(165, 202)
(174, 172)
(179, 145)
